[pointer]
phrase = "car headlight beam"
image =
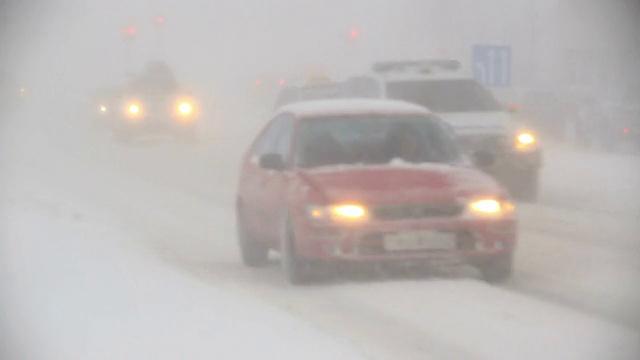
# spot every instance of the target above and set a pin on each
(348, 211)
(185, 108)
(134, 109)
(525, 140)
(341, 212)
(490, 207)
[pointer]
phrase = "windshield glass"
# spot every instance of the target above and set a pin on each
(443, 96)
(360, 140)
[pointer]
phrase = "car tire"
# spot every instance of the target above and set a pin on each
(294, 268)
(496, 269)
(253, 253)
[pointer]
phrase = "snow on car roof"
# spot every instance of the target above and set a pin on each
(352, 107)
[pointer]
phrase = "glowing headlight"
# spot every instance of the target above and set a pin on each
(133, 109)
(349, 211)
(344, 212)
(487, 206)
(185, 108)
(103, 108)
(525, 140)
(491, 207)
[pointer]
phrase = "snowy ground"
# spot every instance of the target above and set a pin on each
(129, 252)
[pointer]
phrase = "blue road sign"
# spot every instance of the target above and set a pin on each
(492, 65)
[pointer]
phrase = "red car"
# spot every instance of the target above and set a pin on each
(369, 181)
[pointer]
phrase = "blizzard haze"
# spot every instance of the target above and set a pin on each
(126, 248)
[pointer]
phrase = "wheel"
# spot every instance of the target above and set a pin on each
(295, 269)
(496, 269)
(253, 253)
(526, 187)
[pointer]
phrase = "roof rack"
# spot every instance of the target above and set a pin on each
(424, 66)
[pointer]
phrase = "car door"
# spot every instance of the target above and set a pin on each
(275, 183)
(252, 183)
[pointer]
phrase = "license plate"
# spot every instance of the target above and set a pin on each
(420, 240)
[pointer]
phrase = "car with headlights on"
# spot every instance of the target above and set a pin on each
(152, 102)
(369, 181)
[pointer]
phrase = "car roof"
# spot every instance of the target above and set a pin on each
(318, 108)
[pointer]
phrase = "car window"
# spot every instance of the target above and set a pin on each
(266, 139)
(373, 139)
(277, 137)
(442, 96)
(282, 141)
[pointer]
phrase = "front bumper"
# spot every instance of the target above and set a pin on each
(365, 243)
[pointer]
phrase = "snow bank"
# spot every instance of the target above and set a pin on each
(75, 293)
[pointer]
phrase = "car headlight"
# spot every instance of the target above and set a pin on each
(185, 108)
(490, 208)
(341, 212)
(525, 140)
(134, 109)
(103, 109)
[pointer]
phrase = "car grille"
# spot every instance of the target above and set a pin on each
(401, 212)
(160, 106)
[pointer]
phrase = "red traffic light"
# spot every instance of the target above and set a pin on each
(258, 82)
(282, 82)
(130, 31)
(354, 34)
(159, 20)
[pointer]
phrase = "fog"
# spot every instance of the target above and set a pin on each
(129, 249)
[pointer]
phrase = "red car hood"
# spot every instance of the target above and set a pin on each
(389, 184)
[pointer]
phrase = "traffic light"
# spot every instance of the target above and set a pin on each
(130, 31)
(159, 20)
(354, 34)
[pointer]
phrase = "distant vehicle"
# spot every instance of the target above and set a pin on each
(470, 109)
(369, 181)
(152, 102)
(314, 89)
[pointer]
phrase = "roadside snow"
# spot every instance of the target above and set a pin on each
(76, 293)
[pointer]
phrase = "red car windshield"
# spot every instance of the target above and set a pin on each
(369, 140)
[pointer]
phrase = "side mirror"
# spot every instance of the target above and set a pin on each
(271, 162)
(483, 159)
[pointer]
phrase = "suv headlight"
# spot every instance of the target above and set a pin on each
(185, 108)
(340, 212)
(133, 109)
(525, 140)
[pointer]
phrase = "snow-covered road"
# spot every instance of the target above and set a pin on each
(129, 252)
